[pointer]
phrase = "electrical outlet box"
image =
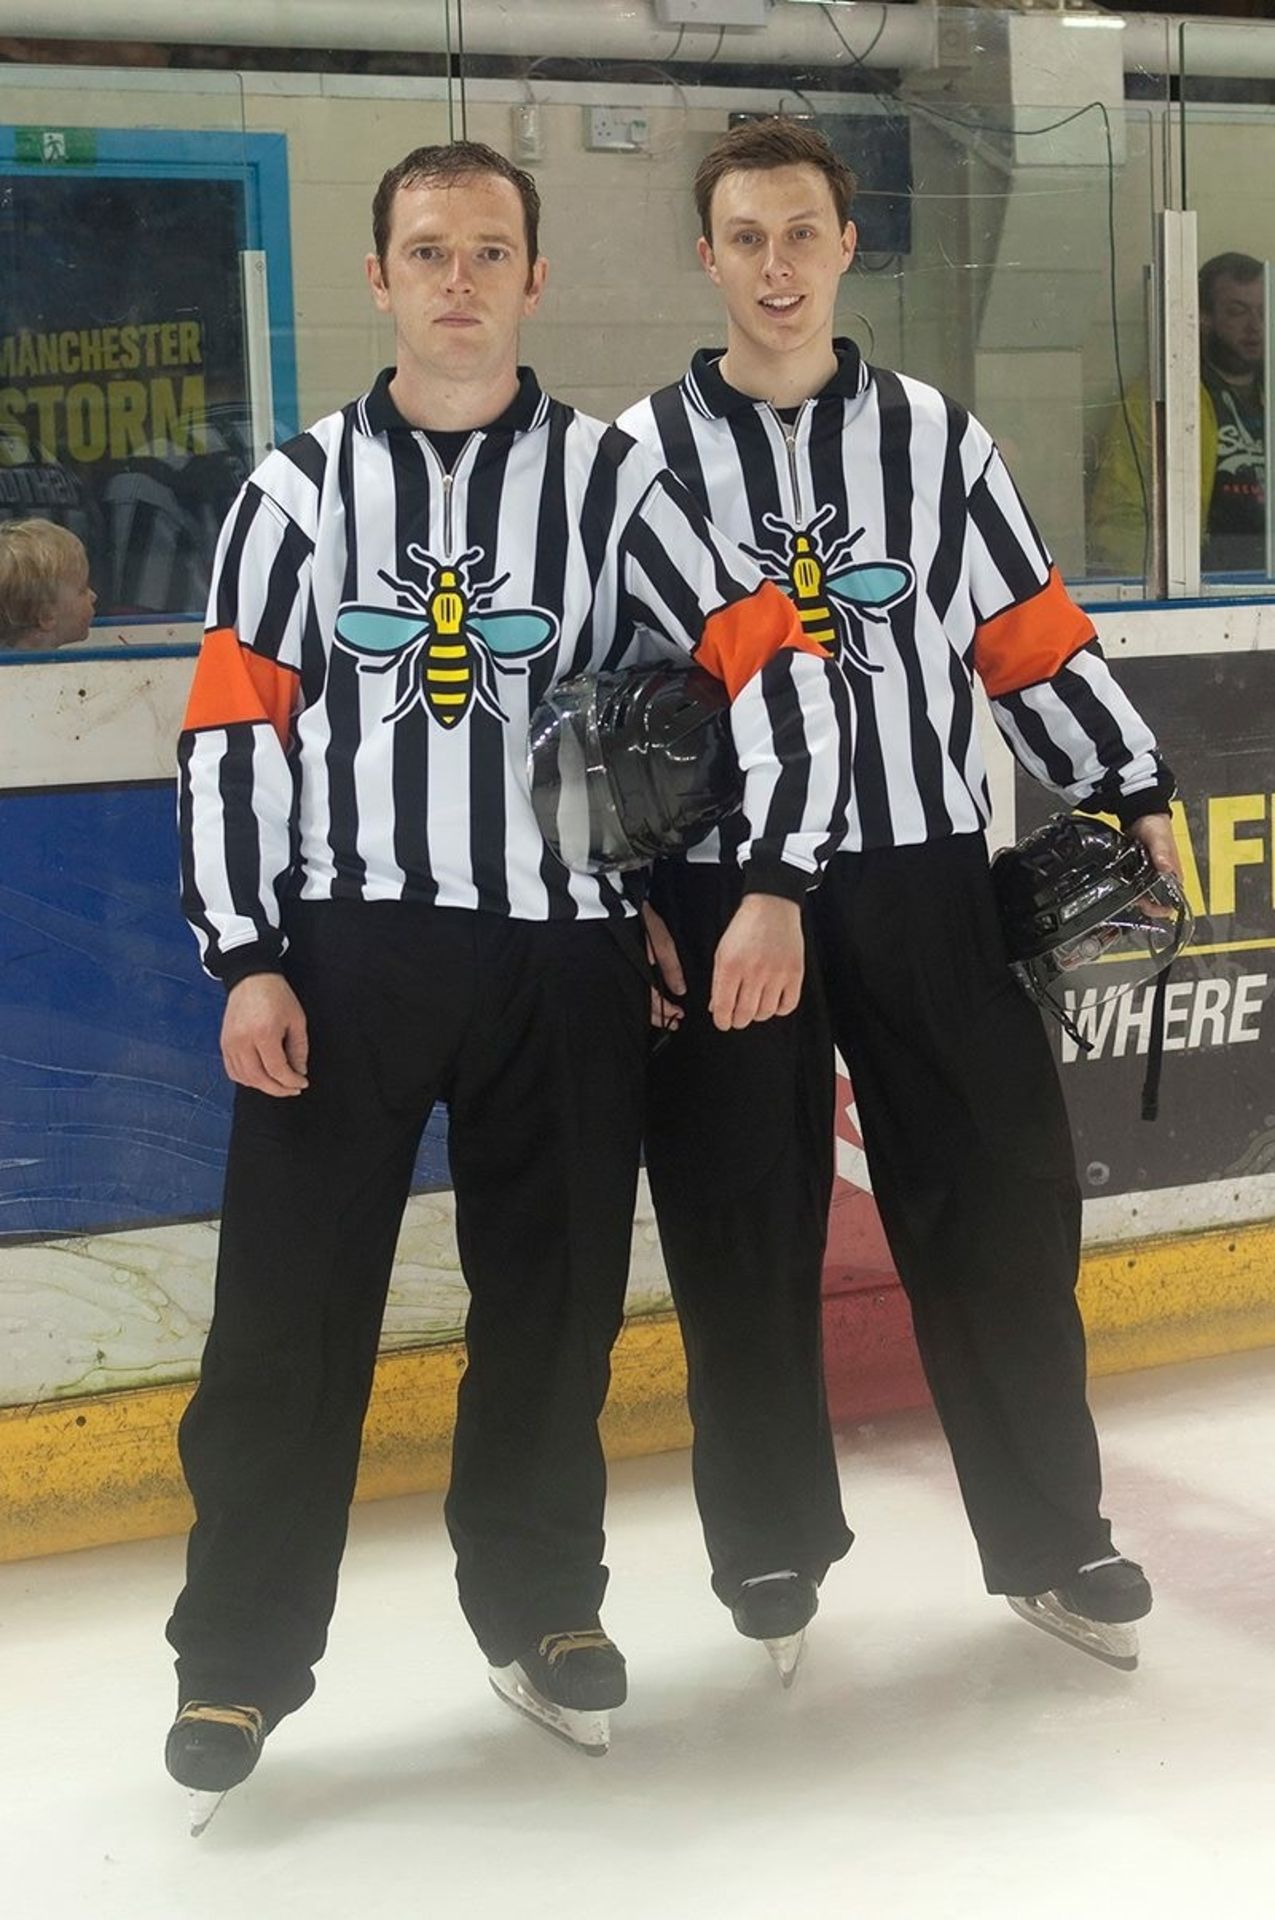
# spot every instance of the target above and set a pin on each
(712, 13)
(528, 133)
(616, 130)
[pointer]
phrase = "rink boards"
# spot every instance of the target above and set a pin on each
(114, 1109)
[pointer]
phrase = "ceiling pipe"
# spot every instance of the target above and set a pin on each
(796, 34)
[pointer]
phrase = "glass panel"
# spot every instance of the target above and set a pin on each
(1003, 246)
(1228, 163)
(132, 219)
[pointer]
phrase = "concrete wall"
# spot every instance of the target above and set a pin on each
(627, 302)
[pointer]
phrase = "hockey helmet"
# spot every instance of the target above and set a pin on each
(1082, 906)
(631, 765)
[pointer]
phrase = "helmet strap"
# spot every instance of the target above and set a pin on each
(1155, 1048)
(1064, 1019)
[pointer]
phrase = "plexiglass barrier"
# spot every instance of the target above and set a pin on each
(1228, 174)
(143, 360)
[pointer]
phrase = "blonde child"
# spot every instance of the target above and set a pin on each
(45, 597)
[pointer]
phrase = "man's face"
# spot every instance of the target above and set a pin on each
(1235, 325)
(778, 252)
(456, 277)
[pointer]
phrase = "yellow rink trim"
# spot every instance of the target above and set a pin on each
(80, 1473)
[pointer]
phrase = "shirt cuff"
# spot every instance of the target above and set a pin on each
(764, 873)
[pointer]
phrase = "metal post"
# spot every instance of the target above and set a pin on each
(256, 327)
(1179, 306)
(1268, 275)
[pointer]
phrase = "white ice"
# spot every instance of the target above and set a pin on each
(936, 1759)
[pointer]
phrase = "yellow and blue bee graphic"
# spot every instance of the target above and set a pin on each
(448, 638)
(833, 594)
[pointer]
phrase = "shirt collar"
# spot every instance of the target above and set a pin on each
(377, 413)
(713, 397)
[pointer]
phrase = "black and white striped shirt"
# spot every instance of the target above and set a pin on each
(886, 512)
(381, 628)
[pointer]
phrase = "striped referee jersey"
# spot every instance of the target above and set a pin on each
(887, 514)
(381, 626)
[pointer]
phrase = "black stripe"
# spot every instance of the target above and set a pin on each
(345, 491)
(553, 535)
(597, 530)
(1021, 578)
(314, 657)
(757, 470)
(239, 823)
(282, 588)
(869, 787)
(553, 538)
(340, 696)
(896, 482)
(411, 477)
(792, 788)
(945, 570)
(1096, 720)
(228, 579)
(487, 826)
(839, 814)
(960, 731)
(1060, 770)
(308, 457)
(648, 553)
(681, 455)
(699, 529)
(192, 900)
(341, 700)
(828, 471)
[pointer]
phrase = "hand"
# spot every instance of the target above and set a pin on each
(264, 1043)
(661, 952)
(760, 960)
(1155, 831)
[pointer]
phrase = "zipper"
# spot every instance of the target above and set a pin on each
(789, 430)
(448, 482)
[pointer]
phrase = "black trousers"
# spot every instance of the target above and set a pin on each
(972, 1167)
(535, 1035)
(739, 1152)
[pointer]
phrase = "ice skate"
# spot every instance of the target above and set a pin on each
(568, 1682)
(210, 1749)
(776, 1609)
(1094, 1610)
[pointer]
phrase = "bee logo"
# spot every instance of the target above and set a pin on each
(448, 642)
(833, 594)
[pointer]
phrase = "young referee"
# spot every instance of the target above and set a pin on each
(887, 513)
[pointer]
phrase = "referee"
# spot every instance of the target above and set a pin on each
(395, 591)
(887, 513)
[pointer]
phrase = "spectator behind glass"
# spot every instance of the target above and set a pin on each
(1232, 436)
(45, 597)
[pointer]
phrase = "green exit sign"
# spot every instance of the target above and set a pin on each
(55, 146)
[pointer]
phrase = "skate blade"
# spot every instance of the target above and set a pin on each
(786, 1652)
(588, 1732)
(201, 1807)
(1113, 1643)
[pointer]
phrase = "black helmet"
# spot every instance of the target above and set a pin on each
(1081, 904)
(628, 766)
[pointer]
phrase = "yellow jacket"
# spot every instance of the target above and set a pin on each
(1117, 514)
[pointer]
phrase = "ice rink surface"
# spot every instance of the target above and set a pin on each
(937, 1759)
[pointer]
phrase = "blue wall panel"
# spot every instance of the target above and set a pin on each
(114, 1108)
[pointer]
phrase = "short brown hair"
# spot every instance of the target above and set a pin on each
(759, 146)
(461, 160)
(36, 558)
(1240, 267)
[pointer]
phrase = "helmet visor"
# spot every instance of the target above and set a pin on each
(570, 790)
(1131, 945)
